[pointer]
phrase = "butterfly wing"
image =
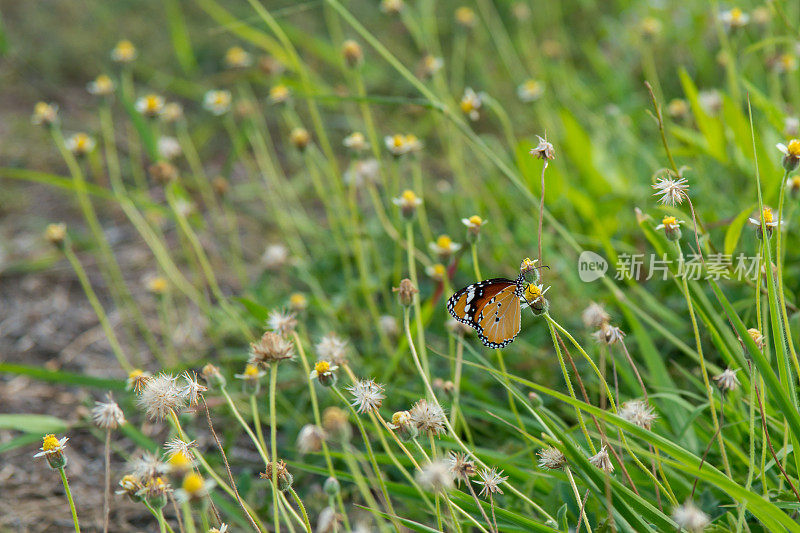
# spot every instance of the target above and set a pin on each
(499, 318)
(491, 307)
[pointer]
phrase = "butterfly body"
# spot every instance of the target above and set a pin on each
(492, 307)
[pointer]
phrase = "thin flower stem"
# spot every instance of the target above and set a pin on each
(273, 434)
(779, 260)
(704, 371)
(478, 503)
(475, 264)
(302, 509)
(188, 519)
(318, 421)
(451, 431)
(373, 461)
(541, 209)
(69, 499)
(660, 120)
(228, 467)
(257, 421)
(412, 273)
(588, 359)
(83, 278)
(582, 515)
(107, 479)
(245, 425)
(176, 423)
(570, 389)
(111, 269)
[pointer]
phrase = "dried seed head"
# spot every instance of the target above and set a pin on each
(137, 380)
(638, 412)
(461, 467)
(689, 517)
(282, 323)
(334, 422)
(491, 480)
(388, 324)
(543, 150)
(757, 337)
(168, 147)
(727, 380)
(108, 415)
(310, 439)
(671, 190)
(595, 316)
(161, 396)
(163, 172)
(435, 476)
(283, 477)
(191, 388)
(367, 395)
(405, 292)
(428, 417)
(148, 466)
(332, 348)
(213, 376)
(155, 492)
(602, 461)
(608, 334)
(271, 348)
(551, 459)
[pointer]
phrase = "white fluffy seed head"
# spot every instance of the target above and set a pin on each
(160, 396)
(107, 415)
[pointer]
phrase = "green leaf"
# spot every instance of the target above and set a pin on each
(734, 230)
(58, 376)
(180, 36)
(32, 423)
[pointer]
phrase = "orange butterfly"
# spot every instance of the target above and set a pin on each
(493, 307)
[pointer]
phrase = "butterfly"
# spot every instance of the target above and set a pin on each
(493, 307)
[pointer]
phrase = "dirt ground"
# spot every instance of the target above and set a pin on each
(46, 321)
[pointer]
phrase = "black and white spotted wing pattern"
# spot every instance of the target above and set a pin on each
(492, 308)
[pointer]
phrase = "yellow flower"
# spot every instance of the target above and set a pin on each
(150, 105)
(157, 285)
(528, 264)
(298, 301)
(278, 94)
(124, 52)
(677, 107)
(473, 224)
(356, 141)
(56, 233)
(192, 483)
(80, 144)
(530, 91)
(300, 138)
(102, 85)
(352, 53)
(651, 27)
(444, 246)
(392, 6)
(437, 271)
(322, 366)
(466, 16)
(218, 102)
(44, 114)
(137, 380)
(471, 103)
(237, 57)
